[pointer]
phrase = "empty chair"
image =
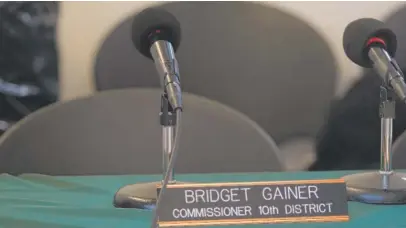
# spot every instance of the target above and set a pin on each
(118, 132)
(246, 55)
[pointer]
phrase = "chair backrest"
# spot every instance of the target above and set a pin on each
(399, 152)
(257, 59)
(396, 21)
(118, 132)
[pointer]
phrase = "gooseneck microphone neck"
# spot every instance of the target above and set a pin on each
(389, 71)
(167, 66)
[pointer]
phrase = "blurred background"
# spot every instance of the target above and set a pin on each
(80, 35)
(28, 58)
(285, 51)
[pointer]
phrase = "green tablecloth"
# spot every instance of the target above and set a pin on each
(37, 201)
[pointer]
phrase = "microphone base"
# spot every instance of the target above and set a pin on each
(376, 188)
(140, 196)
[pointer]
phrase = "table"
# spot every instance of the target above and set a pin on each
(39, 201)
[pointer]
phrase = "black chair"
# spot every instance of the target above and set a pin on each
(399, 152)
(396, 20)
(118, 132)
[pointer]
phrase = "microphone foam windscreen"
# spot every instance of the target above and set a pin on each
(357, 35)
(157, 22)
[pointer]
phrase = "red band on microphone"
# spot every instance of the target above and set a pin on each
(376, 40)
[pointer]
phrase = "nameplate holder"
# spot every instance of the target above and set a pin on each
(241, 203)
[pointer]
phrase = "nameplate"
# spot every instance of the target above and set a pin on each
(254, 203)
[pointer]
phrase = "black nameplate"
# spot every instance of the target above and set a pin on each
(254, 203)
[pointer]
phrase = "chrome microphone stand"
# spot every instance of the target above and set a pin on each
(144, 195)
(384, 186)
(168, 123)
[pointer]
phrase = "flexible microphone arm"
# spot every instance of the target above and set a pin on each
(167, 66)
(389, 70)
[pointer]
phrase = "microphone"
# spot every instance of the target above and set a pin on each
(156, 34)
(370, 44)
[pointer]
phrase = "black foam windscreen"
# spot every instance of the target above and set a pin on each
(153, 24)
(358, 33)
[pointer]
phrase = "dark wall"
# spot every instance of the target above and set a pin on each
(28, 55)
